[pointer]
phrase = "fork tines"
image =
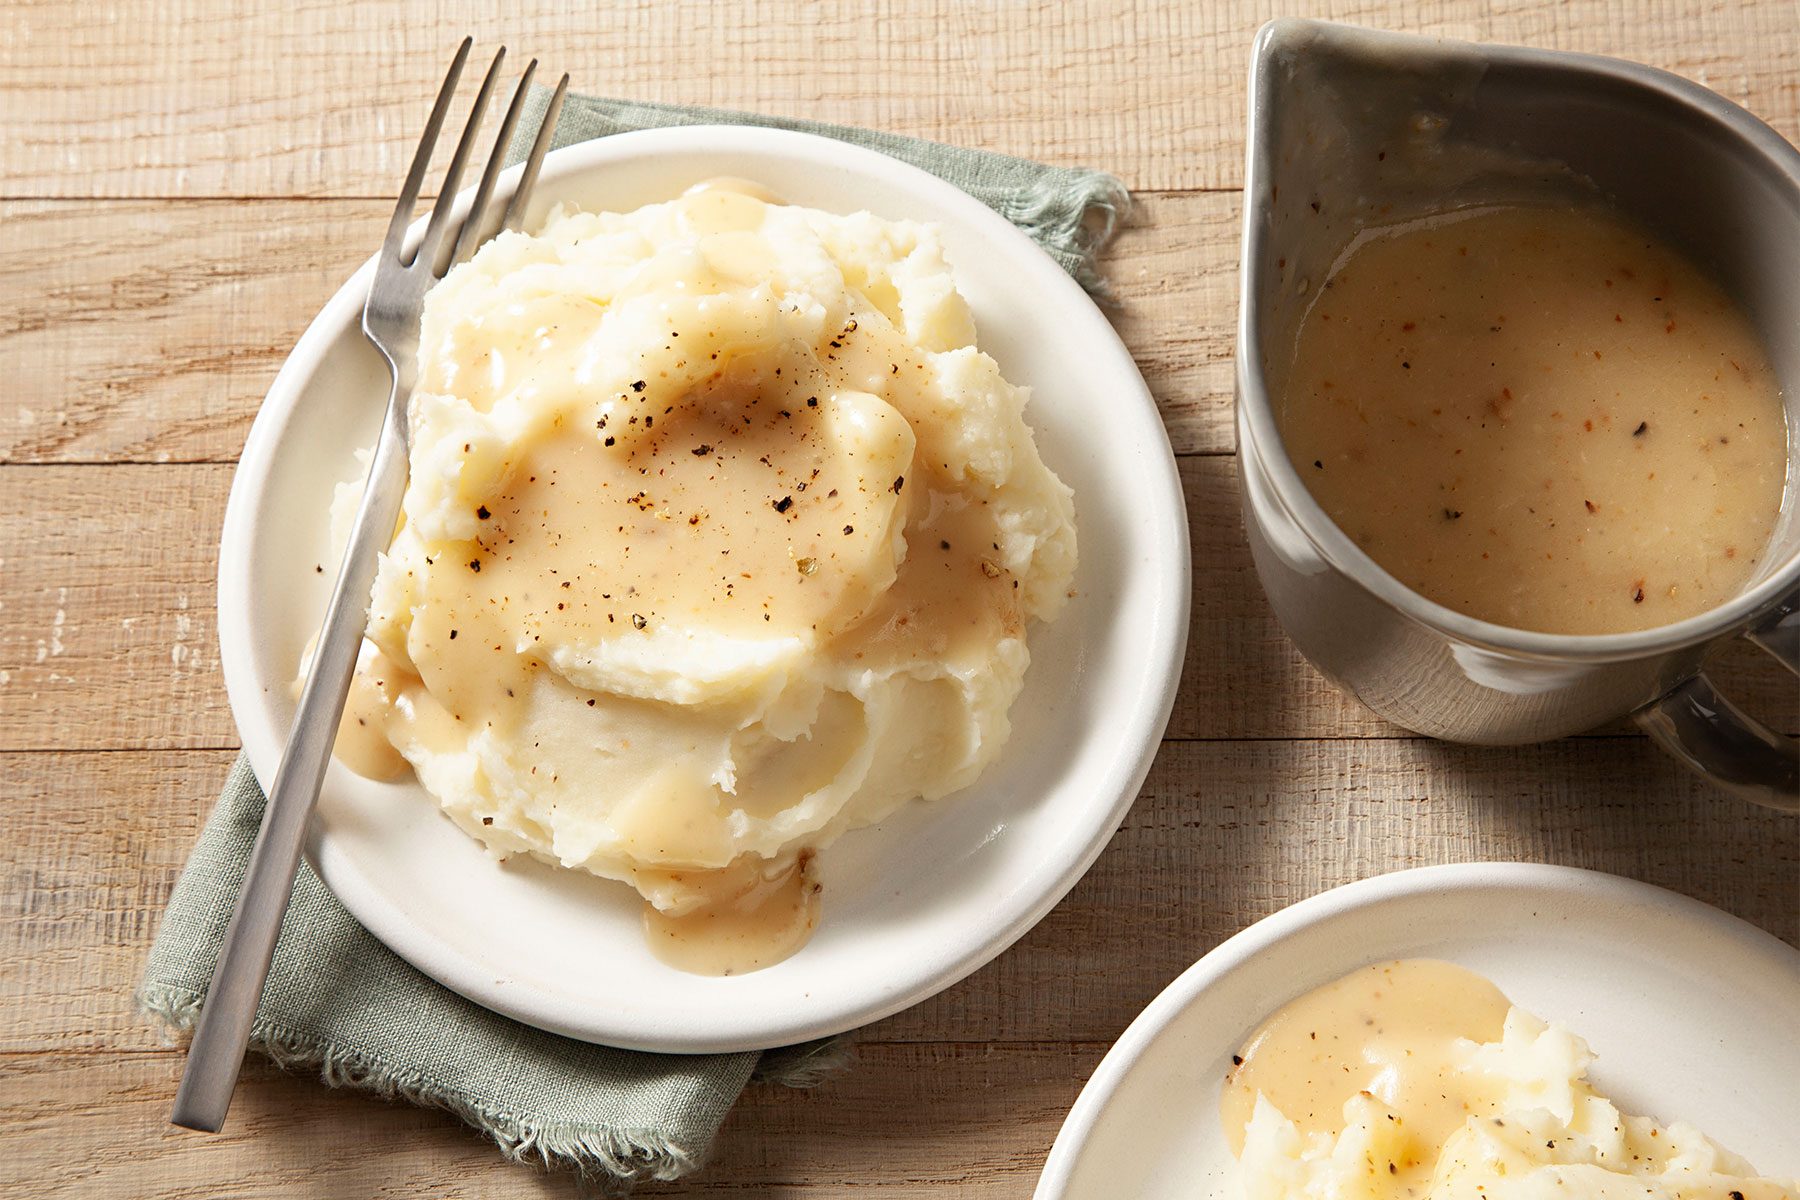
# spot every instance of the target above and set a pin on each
(436, 249)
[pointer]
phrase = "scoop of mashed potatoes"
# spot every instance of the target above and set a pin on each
(1535, 1130)
(721, 538)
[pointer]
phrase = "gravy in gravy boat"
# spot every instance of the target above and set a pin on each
(1539, 415)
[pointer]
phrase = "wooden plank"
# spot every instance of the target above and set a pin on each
(204, 98)
(99, 841)
(109, 638)
(907, 1121)
(1173, 268)
(1223, 834)
(149, 331)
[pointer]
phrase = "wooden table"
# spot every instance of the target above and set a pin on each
(181, 187)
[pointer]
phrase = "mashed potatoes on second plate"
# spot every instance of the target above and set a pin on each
(721, 538)
(1368, 1089)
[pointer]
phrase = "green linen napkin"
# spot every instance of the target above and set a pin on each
(1068, 211)
(340, 1002)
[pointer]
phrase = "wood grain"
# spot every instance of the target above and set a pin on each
(182, 186)
(96, 1125)
(978, 1121)
(148, 331)
(109, 638)
(315, 98)
(154, 329)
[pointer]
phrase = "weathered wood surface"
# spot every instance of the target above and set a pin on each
(152, 329)
(183, 184)
(314, 98)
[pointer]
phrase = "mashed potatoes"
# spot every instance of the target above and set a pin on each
(721, 538)
(1363, 1090)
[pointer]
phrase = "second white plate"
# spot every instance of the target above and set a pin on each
(1694, 1014)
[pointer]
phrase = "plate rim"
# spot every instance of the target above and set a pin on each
(1238, 949)
(1164, 637)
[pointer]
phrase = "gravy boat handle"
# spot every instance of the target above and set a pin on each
(1726, 746)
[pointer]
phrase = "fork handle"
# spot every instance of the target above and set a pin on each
(217, 1052)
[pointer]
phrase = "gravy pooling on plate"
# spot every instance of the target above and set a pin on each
(1393, 1026)
(1540, 417)
(1417, 1080)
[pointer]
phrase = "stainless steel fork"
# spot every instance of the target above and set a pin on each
(403, 274)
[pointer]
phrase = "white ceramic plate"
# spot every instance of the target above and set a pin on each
(1693, 1014)
(912, 905)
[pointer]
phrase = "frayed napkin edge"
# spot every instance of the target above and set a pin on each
(612, 1160)
(1101, 204)
(806, 1065)
(1072, 213)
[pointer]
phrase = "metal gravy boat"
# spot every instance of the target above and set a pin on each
(1351, 127)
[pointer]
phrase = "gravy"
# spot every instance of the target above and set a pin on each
(1540, 417)
(1387, 1029)
(754, 916)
